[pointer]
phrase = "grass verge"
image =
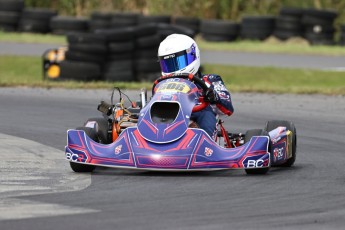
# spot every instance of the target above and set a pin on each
(32, 38)
(27, 71)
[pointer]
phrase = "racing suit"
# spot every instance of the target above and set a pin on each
(207, 118)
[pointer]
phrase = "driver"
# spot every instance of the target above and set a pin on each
(179, 53)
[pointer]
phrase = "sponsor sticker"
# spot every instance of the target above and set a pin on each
(118, 149)
(208, 152)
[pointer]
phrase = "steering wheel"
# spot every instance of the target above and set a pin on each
(203, 104)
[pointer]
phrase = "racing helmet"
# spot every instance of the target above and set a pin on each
(178, 53)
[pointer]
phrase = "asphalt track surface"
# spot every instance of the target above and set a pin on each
(214, 57)
(309, 195)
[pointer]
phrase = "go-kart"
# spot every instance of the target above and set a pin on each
(159, 135)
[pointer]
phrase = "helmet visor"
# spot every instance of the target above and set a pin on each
(177, 61)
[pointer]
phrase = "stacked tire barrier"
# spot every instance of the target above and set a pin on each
(219, 30)
(36, 20)
(118, 65)
(257, 27)
(85, 57)
(66, 24)
(10, 12)
(342, 35)
(126, 19)
(123, 54)
(288, 23)
(318, 26)
(147, 41)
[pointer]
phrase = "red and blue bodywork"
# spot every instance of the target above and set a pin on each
(162, 139)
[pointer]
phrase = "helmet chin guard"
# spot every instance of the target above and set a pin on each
(178, 53)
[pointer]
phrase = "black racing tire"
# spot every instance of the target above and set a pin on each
(120, 47)
(145, 30)
(308, 20)
(84, 57)
(219, 27)
(325, 14)
(148, 41)
(249, 134)
(146, 65)
(218, 38)
(154, 19)
(86, 38)
(149, 53)
(9, 18)
(95, 15)
(69, 23)
(259, 22)
(39, 13)
(91, 48)
(288, 23)
(95, 25)
(320, 36)
(84, 168)
(33, 25)
(102, 128)
(273, 124)
(115, 35)
(119, 56)
(11, 5)
(121, 65)
(80, 71)
(319, 29)
(254, 34)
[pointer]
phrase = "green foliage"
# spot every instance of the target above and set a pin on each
(222, 9)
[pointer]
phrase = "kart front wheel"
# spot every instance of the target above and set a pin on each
(77, 167)
(249, 134)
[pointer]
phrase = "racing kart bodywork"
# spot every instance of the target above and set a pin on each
(158, 136)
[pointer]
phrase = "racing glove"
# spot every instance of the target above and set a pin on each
(211, 96)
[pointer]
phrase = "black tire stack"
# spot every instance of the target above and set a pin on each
(189, 22)
(10, 11)
(147, 19)
(318, 26)
(99, 20)
(119, 62)
(66, 24)
(85, 57)
(36, 20)
(288, 23)
(219, 30)
(257, 27)
(145, 56)
(120, 20)
(342, 35)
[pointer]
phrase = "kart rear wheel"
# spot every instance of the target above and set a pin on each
(76, 167)
(101, 129)
(248, 136)
(271, 125)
